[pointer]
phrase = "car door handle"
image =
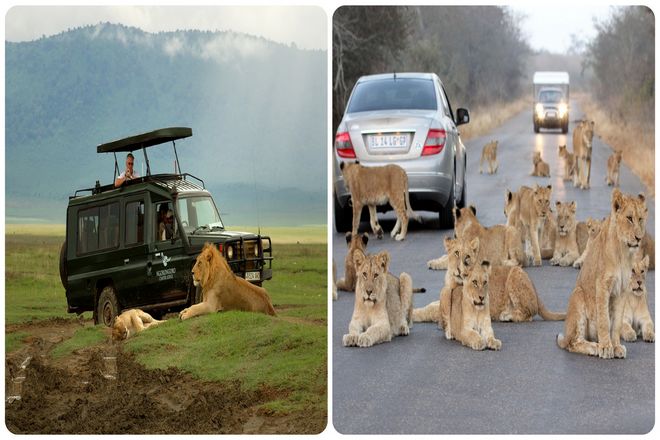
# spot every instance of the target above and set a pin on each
(126, 260)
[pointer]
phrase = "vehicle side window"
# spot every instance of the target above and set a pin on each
(98, 228)
(443, 98)
(165, 224)
(134, 223)
(446, 99)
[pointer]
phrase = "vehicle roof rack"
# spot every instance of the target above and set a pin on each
(145, 140)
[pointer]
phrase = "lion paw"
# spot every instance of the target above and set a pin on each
(505, 317)
(184, 314)
(404, 330)
(478, 345)
(649, 336)
(620, 352)
(629, 335)
(349, 340)
(494, 344)
(577, 264)
(399, 237)
(537, 262)
(605, 351)
(364, 340)
(554, 261)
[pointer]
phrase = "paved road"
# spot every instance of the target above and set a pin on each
(426, 384)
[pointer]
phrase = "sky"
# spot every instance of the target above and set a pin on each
(549, 25)
(306, 26)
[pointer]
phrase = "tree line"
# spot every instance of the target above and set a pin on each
(478, 51)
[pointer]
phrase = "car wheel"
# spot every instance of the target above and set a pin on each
(536, 127)
(63, 274)
(446, 216)
(343, 217)
(564, 127)
(197, 298)
(463, 200)
(107, 307)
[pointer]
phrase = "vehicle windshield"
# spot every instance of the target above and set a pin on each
(198, 213)
(393, 94)
(551, 96)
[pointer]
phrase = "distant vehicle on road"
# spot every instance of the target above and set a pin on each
(404, 119)
(551, 94)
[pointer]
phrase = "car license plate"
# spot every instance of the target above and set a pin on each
(552, 115)
(252, 276)
(388, 141)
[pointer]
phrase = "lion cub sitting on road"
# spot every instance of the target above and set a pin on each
(533, 210)
(613, 166)
(512, 214)
(372, 186)
(636, 317)
(541, 168)
(469, 315)
(489, 154)
(383, 302)
(131, 322)
(569, 163)
(222, 290)
(566, 244)
(592, 227)
(595, 309)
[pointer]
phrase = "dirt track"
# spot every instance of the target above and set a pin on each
(72, 396)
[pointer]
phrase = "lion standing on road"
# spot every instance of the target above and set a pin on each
(383, 302)
(583, 135)
(595, 309)
(489, 155)
(373, 186)
(222, 290)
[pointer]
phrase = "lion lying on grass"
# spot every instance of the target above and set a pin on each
(222, 290)
(131, 322)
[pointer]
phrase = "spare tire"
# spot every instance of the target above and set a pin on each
(63, 275)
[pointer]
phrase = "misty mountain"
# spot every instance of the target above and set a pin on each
(257, 110)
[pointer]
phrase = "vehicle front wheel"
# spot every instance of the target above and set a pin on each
(343, 217)
(107, 307)
(564, 127)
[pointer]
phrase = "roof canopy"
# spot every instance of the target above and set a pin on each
(550, 78)
(145, 140)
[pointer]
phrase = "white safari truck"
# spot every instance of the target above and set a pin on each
(551, 100)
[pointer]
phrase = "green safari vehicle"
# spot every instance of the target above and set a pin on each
(116, 255)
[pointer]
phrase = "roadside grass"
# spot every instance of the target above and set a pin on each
(286, 353)
(635, 139)
(486, 118)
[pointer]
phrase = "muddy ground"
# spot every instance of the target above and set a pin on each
(87, 394)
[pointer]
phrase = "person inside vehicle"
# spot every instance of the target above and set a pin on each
(129, 173)
(165, 222)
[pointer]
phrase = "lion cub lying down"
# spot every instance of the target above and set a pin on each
(131, 322)
(383, 302)
(222, 290)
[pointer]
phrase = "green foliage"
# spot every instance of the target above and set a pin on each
(14, 340)
(82, 338)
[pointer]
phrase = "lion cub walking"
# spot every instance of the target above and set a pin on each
(595, 309)
(541, 168)
(131, 322)
(613, 166)
(489, 155)
(636, 317)
(373, 186)
(569, 163)
(383, 302)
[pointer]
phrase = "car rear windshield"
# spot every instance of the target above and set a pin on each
(393, 94)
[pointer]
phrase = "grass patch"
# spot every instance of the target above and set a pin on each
(312, 234)
(49, 230)
(85, 337)
(14, 341)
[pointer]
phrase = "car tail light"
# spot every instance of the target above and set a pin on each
(344, 146)
(435, 142)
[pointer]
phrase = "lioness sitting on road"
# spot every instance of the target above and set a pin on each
(613, 166)
(222, 290)
(373, 186)
(513, 296)
(470, 316)
(583, 135)
(541, 168)
(636, 317)
(131, 322)
(566, 245)
(569, 163)
(489, 155)
(595, 309)
(383, 302)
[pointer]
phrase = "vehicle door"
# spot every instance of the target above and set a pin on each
(453, 140)
(168, 265)
(134, 256)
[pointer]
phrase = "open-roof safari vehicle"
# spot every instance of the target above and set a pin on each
(115, 255)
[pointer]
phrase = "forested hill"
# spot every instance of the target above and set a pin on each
(257, 110)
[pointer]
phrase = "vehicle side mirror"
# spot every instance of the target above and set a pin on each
(462, 116)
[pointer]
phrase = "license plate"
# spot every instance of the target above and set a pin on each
(552, 115)
(252, 276)
(388, 141)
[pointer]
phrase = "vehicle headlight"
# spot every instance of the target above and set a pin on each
(563, 108)
(230, 252)
(539, 109)
(256, 249)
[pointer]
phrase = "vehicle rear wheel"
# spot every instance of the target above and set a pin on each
(343, 217)
(107, 307)
(63, 274)
(197, 298)
(446, 215)
(463, 200)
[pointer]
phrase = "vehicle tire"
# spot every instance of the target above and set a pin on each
(463, 199)
(107, 307)
(564, 127)
(343, 217)
(197, 298)
(446, 215)
(536, 127)
(63, 274)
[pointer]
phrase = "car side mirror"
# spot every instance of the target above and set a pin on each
(462, 116)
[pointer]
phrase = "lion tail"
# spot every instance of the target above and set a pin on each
(548, 315)
(419, 290)
(410, 212)
(405, 295)
(270, 310)
(428, 313)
